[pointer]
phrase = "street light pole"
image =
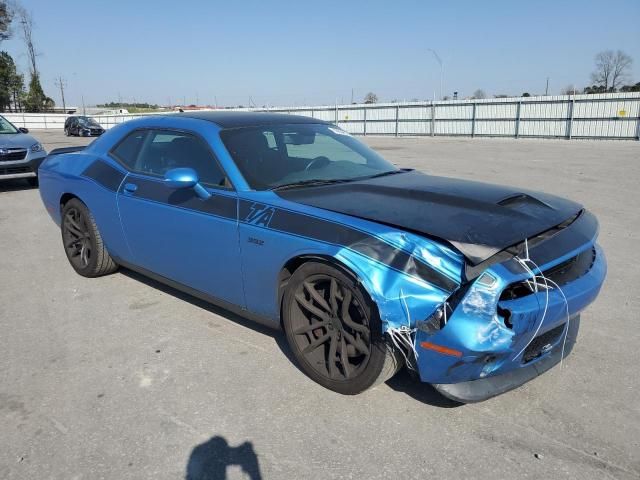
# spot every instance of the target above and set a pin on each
(439, 60)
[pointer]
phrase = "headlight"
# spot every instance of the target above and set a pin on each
(36, 147)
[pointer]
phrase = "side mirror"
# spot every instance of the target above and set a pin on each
(23, 130)
(185, 178)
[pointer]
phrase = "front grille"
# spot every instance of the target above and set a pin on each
(96, 131)
(13, 155)
(537, 347)
(13, 170)
(560, 274)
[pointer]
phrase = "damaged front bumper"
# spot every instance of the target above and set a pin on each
(485, 388)
(492, 331)
(494, 344)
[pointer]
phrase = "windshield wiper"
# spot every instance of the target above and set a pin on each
(383, 174)
(309, 183)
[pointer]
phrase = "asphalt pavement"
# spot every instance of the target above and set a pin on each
(122, 378)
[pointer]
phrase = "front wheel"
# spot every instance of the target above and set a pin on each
(334, 330)
(83, 243)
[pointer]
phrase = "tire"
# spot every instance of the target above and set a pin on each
(83, 243)
(353, 332)
(66, 132)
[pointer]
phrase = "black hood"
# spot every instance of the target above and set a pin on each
(478, 219)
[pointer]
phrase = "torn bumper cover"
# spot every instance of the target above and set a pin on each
(499, 337)
(498, 332)
(485, 388)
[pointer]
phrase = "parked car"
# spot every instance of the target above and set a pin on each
(82, 126)
(293, 222)
(20, 153)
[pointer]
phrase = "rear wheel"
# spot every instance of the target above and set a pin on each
(334, 330)
(83, 243)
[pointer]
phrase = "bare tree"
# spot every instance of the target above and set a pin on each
(612, 69)
(569, 90)
(370, 98)
(479, 94)
(26, 29)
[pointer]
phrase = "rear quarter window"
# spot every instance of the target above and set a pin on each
(126, 152)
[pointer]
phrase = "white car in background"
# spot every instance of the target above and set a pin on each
(20, 153)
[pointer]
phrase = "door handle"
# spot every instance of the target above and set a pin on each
(130, 187)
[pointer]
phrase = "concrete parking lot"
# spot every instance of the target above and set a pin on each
(120, 377)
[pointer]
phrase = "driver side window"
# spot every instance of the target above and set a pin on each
(156, 151)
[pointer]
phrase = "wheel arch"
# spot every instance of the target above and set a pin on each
(297, 261)
(65, 197)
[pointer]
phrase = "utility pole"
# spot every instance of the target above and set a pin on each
(439, 60)
(61, 83)
(546, 90)
(352, 96)
(84, 110)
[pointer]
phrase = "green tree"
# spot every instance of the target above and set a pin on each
(631, 88)
(595, 89)
(18, 93)
(35, 99)
(6, 15)
(11, 84)
(7, 73)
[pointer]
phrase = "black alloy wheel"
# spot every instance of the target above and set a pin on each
(77, 238)
(82, 241)
(334, 331)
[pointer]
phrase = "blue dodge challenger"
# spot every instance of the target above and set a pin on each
(367, 267)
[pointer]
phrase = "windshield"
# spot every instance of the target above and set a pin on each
(6, 126)
(87, 122)
(275, 155)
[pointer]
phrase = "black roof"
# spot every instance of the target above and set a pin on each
(248, 119)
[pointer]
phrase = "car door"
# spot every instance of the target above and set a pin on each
(173, 232)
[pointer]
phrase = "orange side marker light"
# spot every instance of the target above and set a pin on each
(441, 349)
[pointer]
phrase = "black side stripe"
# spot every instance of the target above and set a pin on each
(338, 234)
(219, 205)
(285, 221)
(104, 174)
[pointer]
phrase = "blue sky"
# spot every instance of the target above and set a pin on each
(288, 52)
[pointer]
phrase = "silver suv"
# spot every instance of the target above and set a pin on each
(20, 154)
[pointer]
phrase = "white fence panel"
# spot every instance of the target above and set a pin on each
(496, 128)
(415, 112)
(543, 128)
(611, 115)
(505, 110)
(544, 110)
(454, 112)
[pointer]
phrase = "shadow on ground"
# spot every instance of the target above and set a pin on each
(401, 382)
(406, 383)
(210, 460)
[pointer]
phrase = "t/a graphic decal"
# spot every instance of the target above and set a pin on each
(260, 215)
